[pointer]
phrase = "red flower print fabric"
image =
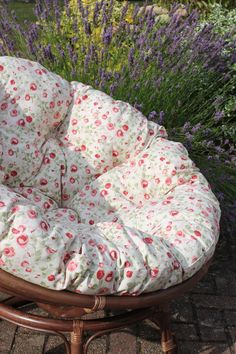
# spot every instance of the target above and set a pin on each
(94, 198)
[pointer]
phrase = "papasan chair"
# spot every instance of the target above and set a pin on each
(98, 209)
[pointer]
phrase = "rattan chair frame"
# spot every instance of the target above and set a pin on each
(67, 309)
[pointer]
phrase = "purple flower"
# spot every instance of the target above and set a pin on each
(73, 73)
(116, 75)
(196, 128)
(124, 11)
(218, 116)
(161, 118)
(67, 7)
(188, 136)
(112, 89)
(47, 51)
(186, 126)
(104, 20)
(107, 35)
(152, 115)
(38, 9)
(81, 8)
(206, 132)
(138, 106)
(75, 26)
(96, 13)
(135, 12)
(60, 50)
(131, 56)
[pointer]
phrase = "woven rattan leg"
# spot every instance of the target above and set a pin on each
(77, 338)
(168, 342)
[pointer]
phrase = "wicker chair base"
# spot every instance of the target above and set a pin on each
(67, 311)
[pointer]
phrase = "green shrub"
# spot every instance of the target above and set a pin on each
(204, 6)
(223, 20)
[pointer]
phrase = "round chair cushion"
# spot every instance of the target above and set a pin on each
(93, 197)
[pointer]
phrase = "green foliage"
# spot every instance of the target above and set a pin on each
(204, 6)
(23, 11)
(84, 37)
(223, 19)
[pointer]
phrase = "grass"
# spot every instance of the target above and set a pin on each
(24, 11)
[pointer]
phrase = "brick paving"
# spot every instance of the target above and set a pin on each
(204, 321)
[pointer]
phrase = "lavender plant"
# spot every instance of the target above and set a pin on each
(179, 74)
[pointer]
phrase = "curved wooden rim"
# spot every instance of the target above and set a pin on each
(17, 286)
(36, 322)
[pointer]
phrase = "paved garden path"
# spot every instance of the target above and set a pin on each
(204, 321)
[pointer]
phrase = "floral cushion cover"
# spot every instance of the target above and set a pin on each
(93, 197)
